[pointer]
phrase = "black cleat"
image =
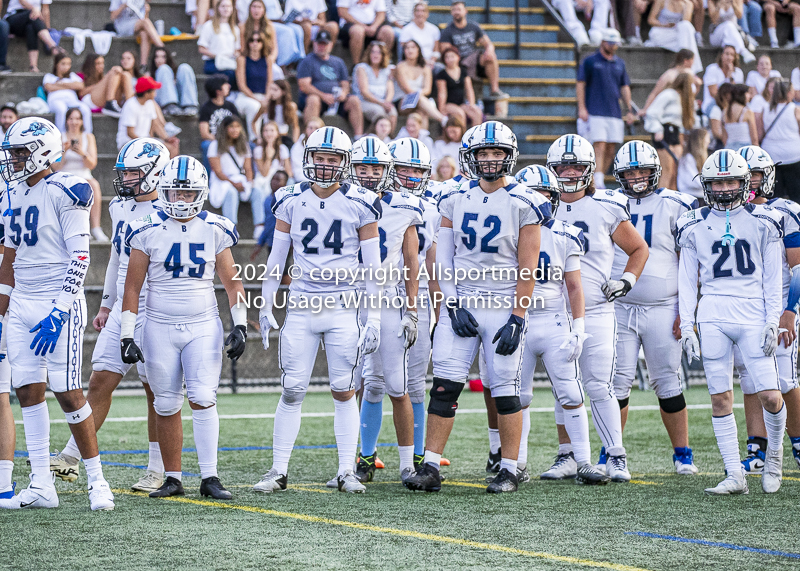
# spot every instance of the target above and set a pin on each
(365, 468)
(418, 460)
(493, 463)
(590, 476)
(170, 487)
(505, 481)
(426, 479)
(212, 487)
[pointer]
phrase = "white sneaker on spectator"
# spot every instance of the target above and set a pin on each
(172, 129)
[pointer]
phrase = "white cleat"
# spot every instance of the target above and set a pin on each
(772, 474)
(617, 469)
(734, 484)
(100, 496)
(563, 468)
(32, 497)
(270, 482)
(685, 469)
(350, 484)
(332, 483)
(65, 467)
(150, 482)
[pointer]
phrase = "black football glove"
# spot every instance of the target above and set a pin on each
(130, 351)
(509, 335)
(236, 339)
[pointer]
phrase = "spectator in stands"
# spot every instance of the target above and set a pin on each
(774, 7)
(450, 143)
(62, 87)
(130, 65)
(446, 169)
(270, 156)
(281, 109)
(311, 17)
(574, 26)
(142, 117)
(178, 93)
(231, 177)
(4, 31)
(757, 78)
(361, 22)
(213, 111)
(694, 157)
(26, 19)
(79, 158)
(423, 32)
(219, 41)
(257, 22)
(683, 62)
(724, 30)
(373, 83)
(781, 127)
(670, 116)
(738, 122)
(129, 22)
(671, 28)
(8, 116)
(298, 149)
(286, 39)
(454, 90)
(279, 180)
(721, 102)
(382, 128)
(750, 22)
(323, 81)
(630, 15)
(698, 19)
(725, 70)
(414, 76)
(796, 82)
(602, 81)
(760, 102)
(104, 91)
(414, 129)
(474, 46)
(198, 10)
(253, 77)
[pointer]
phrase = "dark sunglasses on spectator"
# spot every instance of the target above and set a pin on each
(256, 40)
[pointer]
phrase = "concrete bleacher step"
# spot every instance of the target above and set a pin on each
(497, 15)
(521, 69)
(565, 106)
(528, 33)
(539, 87)
(561, 51)
(94, 14)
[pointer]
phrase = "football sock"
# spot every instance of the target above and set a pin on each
(284, 434)
(6, 471)
(406, 457)
(36, 420)
(177, 475)
(576, 422)
(371, 419)
(419, 427)
(599, 180)
(728, 442)
(773, 35)
(509, 464)
(559, 413)
(154, 462)
(94, 471)
(433, 459)
(345, 428)
(205, 423)
(494, 440)
(776, 425)
(564, 449)
(71, 449)
(796, 35)
(522, 457)
(607, 422)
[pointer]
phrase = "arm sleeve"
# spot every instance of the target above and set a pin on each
(687, 288)
(773, 278)
(110, 285)
(445, 248)
(275, 265)
(78, 248)
(371, 255)
(75, 220)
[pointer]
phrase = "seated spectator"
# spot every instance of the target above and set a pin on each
(178, 93)
(257, 22)
(738, 122)
(231, 177)
(62, 87)
(599, 11)
(142, 117)
(298, 149)
(79, 158)
(475, 48)
(671, 28)
(199, 12)
(760, 102)
(130, 65)
(571, 22)
(279, 180)
(281, 109)
(270, 156)
(694, 157)
(413, 128)
(413, 75)
(129, 22)
(219, 41)
(724, 30)
(26, 19)
(450, 143)
(725, 70)
(750, 22)
(361, 22)
(630, 15)
(454, 90)
(312, 17)
(4, 31)
(781, 128)
(373, 83)
(787, 7)
(104, 91)
(423, 32)
(722, 100)
(683, 62)
(214, 111)
(446, 169)
(382, 128)
(253, 76)
(399, 14)
(8, 116)
(323, 81)
(757, 78)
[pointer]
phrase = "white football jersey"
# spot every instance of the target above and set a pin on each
(182, 264)
(399, 211)
(732, 277)
(123, 212)
(486, 231)
(38, 220)
(428, 233)
(325, 232)
(598, 215)
(790, 212)
(655, 217)
(437, 189)
(560, 251)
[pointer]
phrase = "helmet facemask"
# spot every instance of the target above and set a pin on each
(16, 163)
(490, 170)
(641, 186)
(374, 176)
(325, 175)
(131, 186)
(728, 199)
(182, 201)
(766, 186)
(573, 184)
(412, 182)
(552, 196)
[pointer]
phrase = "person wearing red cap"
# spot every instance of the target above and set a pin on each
(142, 117)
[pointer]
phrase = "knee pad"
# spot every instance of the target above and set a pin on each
(672, 404)
(167, 406)
(525, 400)
(293, 396)
(570, 395)
(203, 397)
(444, 397)
(507, 405)
(623, 402)
(599, 391)
(374, 391)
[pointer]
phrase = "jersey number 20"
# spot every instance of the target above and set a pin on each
(744, 263)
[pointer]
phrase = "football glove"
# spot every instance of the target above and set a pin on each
(370, 338)
(509, 335)
(130, 351)
(236, 339)
(691, 345)
(267, 322)
(769, 339)
(48, 330)
(613, 289)
(408, 328)
(462, 321)
(574, 341)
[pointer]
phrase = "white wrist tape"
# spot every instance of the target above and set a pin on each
(239, 314)
(630, 278)
(6, 289)
(127, 324)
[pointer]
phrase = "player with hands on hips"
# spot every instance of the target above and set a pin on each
(736, 248)
(45, 261)
(647, 317)
(331, 224)
(491, 223)
(178, 250)
(605, 219)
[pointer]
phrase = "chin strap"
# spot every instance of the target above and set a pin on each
(727, 238)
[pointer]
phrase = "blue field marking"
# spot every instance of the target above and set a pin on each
(24, 454)
(715, 544)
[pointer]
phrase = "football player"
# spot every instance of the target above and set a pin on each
(386, 370)
(178, 249)
(137, 168)
(737, 251)
(491, 228)
(762, 185)
(604, 217)
(648, 316)
(327, 221)
(45, 262)
(8, 431)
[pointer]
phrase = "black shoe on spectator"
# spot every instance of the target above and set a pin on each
(112, 109)
(5, 70)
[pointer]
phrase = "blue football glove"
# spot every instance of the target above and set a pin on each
(462, 321)
(509, 335)
(48, 331)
